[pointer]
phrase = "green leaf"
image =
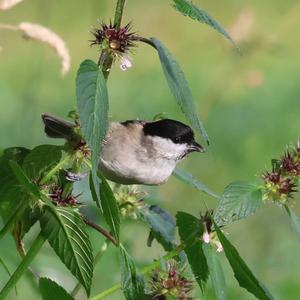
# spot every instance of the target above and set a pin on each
(65, 232)
(51, 290)
(10, 190)
(187, 8)
(190, 231)
(93, 191)
(216, 271)
(240, 200)
(189, 179)
(242, 273)
(132, 282)
(92, 103)
(21, 177)
(179, 87)
(295, 220)
(40, 160)
(7, 271)
(109, 207)
(161, 223)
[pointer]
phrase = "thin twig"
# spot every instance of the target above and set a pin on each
(101, 230)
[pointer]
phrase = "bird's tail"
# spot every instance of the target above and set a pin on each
(58, 128)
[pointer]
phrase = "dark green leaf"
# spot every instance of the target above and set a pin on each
(179, 87)
(190, 232)
(161, 223)
(51, 290)
(109, 207)
(11, 193)
(40, 160)
(65, 232)
(240, 200)
(242, 273)
(131, 281)
(295, 220)
(92, 103)
(93, 191)
(216, 271)
(187, 8)
(189, 179)
(26, 184)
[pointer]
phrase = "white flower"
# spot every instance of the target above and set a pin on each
(219, 247)
(125, 63)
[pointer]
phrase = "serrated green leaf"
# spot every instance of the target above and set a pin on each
(10, 190)
(239, 200)
(161, 224)
(191, 180)
(40, 160)
(92, 103)
(23, 180)
(242, 273)
(132, 282)
(187, 8)
(179, 87)
(51, 290)
(190, 231)
(65, 232)
(109, 207)
(216, 271)
(295, 221)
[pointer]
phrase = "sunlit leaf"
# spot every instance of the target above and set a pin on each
(191, 180)
(188, 8)
(216, 271)
(161, 223)
(240, 200)
(65, 232)
(190, 231)
(131, 281)
(179, 87)
(51, 290)
(109, 207)
(40, 160)
(242, 273)
(92, 103)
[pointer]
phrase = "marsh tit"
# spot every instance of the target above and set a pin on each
(134, 151)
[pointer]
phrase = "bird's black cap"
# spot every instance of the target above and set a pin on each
(174, 130)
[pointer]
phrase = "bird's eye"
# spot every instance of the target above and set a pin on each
(177, 139)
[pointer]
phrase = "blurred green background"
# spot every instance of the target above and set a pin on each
(249, 104)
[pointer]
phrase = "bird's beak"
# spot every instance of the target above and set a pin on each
(196, 147)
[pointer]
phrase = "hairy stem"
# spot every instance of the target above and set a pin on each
(56, 168)
(144, 271)
(33, 251)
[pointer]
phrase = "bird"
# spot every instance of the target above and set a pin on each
(136, 151)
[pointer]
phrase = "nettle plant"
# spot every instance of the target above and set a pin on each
(37, 186)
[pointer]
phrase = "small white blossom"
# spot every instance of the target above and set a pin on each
(125, 63)
(206, 237)
(219, 247)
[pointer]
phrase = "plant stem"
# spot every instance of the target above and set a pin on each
(106, 58)
(63, 162)
(101, 230)
(144, 271)
(35, 248)
(119, 12)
